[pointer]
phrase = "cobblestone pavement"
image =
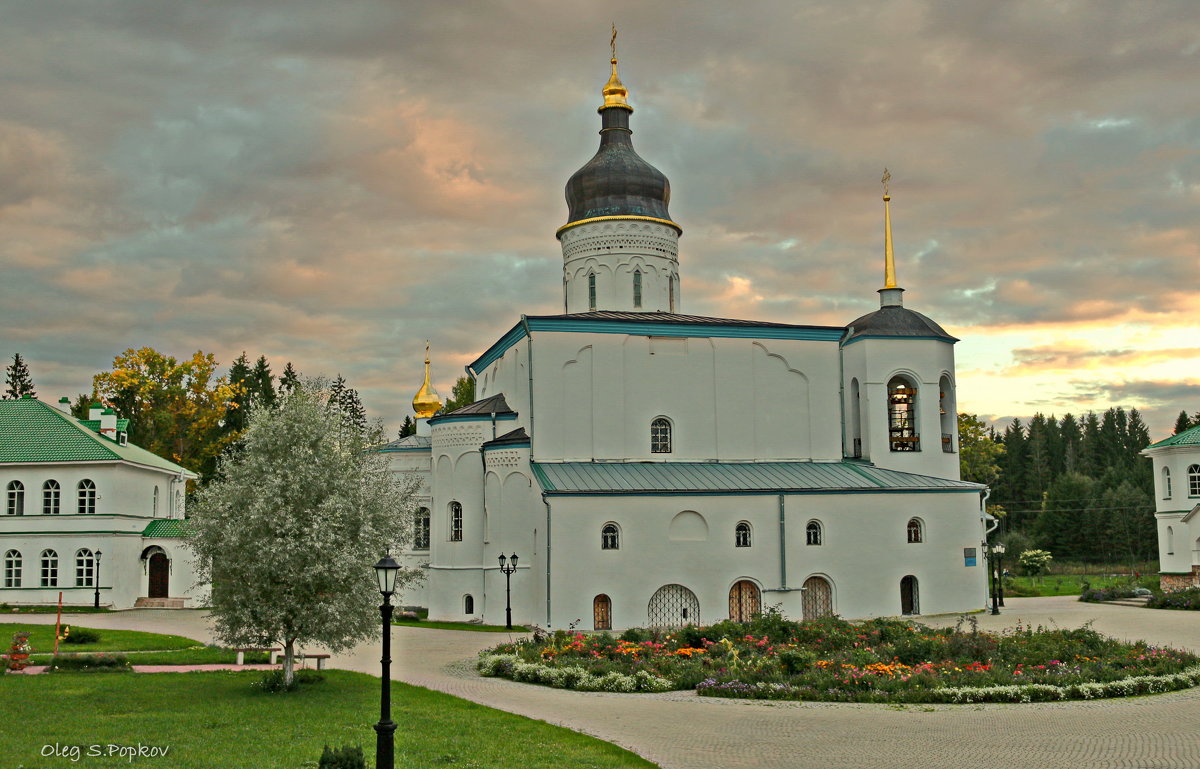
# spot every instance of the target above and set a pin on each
(681, 730)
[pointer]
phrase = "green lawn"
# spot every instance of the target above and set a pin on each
(41, 637)
(460, 626)
(1070, 584)
(219, 721)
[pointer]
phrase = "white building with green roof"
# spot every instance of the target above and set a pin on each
(1177, 485)
(87, 511)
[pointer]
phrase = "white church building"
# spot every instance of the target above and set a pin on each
(1177, 477)
(653, 468)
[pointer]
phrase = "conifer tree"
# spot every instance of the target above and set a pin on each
(264, 382)
(409, 427)
(289, 380)
(1182, 423)
(18, 380)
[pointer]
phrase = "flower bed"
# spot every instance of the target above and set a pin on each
(1188, 599)
(880, 660)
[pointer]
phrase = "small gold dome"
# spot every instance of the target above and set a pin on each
(614, 90)
(426, 402)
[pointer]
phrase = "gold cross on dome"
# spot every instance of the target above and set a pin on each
(613, 42)
(887, 177)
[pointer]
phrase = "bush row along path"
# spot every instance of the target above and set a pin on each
(679, 729)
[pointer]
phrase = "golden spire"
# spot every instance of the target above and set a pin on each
(614, 91)
(889, 259)
(426, 402)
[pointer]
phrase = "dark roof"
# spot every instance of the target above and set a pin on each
(669, 317)
(896, 321)
(616, 181)
(515, 437)
(408, 443)
(493, 405)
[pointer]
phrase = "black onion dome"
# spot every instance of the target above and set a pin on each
(616, 181)
(899, 322)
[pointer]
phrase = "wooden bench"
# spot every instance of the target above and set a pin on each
(241, 652)
(320, 658)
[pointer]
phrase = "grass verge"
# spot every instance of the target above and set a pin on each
(460, 626)
(41, 638)
(220, 721)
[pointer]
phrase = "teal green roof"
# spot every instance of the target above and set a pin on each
(32, 431)
(732, 478)
(164, 527)
(1186, 438)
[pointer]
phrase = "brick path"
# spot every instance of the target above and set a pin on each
(680, 730)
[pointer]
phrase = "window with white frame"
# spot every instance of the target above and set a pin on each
(1166, 482)
(49, 568)
(16, 498)
(12, 568)
(813, 533)
(660, 436)
(916, 531)
(1193, 480)
(741, 534)
(456, 523)
(610, 537)
(421, 529)
(85, 568)
(51, 497)
(154, 508)
(87, 497)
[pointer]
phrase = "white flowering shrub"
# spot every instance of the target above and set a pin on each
(569, 677)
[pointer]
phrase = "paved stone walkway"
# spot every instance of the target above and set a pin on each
(678, 730)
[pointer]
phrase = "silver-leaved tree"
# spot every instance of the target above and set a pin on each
(288, 532)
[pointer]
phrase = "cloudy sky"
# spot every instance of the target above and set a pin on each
(331, 183)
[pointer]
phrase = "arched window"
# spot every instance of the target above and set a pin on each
(610, 537)
(421, 529)
(1194, 480)
(910, 598)
(813, 533)
(456, 523)
(49, 568)
(51, 498)
(468, 604)
(1166, 482)
(16, 498)
(817, 601)
(154, 509)
(592, 291)
(856, 447)
(1170, 540)
(946, 409)
(916, 531)
(12, 569)
(87, 497)
(671, 293)
(637, 289)
(741, 534)
(660, 436)
(903, 434)
(601, 612)
(85, 568)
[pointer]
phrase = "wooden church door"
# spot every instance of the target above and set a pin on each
(160, 576)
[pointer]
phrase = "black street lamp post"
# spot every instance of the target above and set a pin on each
(507, 567)
(1000, 574)
(385, 749)
(96, 578)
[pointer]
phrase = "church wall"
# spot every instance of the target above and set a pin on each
(864, 554)
(596, 395)
(1178, 541)
(509, 375)
(414, 464)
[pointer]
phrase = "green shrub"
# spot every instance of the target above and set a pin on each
(345, 757)
(1188, 599)
(107, 663)
(637, 635)
(273, 681)
(82, 635)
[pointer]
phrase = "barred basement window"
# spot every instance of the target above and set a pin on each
(741, 535)
(456, 523)
(87, 497)
(49, 568)
(51, 498)
(85, 568)
(12, 569)
(16, 498)
(610, 537)
(660, 436)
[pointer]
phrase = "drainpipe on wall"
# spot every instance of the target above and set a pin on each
(547, 502)
(529, 369)
(842, 385)
(783, 588)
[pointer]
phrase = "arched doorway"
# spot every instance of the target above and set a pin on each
(160, 576)
(745, 600)
(818, 598)
(910, 599)
(673, 606)
(601, 612)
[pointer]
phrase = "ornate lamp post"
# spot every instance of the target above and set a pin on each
(507, 567)
(385, 749)
(96, 578)
(993, 578)
(1000, 574)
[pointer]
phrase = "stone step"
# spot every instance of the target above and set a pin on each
(1130, 601)
(159, 603)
